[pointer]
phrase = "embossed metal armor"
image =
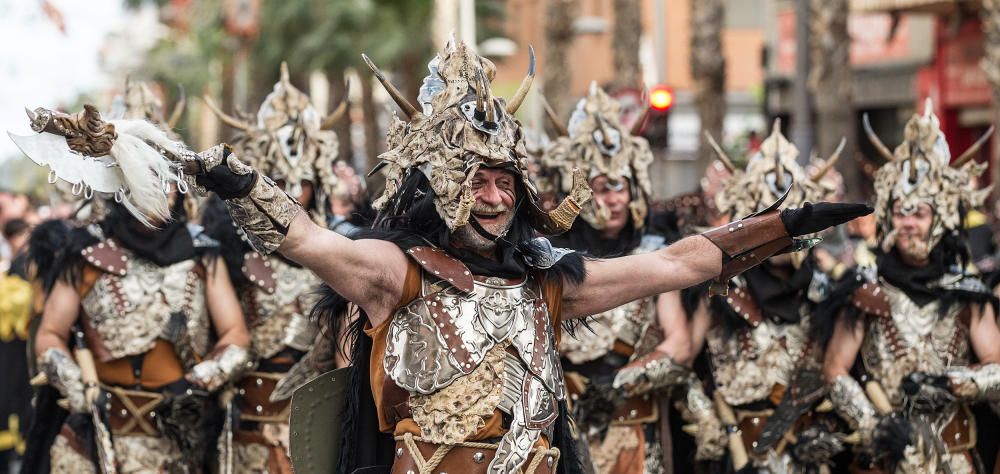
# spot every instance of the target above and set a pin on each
(749, 363)
(133, 302)
(633, 323)
(278, 311)
(901, 338)
(455, 325)
(913, 338)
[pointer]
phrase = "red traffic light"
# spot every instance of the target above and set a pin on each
(661, 98)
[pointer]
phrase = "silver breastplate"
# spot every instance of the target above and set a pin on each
(913, 338)
(277, 309)
(749, 362)
(136, 302)
(442, 338)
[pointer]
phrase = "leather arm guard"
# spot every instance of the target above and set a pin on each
(851, 403)
(265, 212)
(710, 437)
(651, 372)
(746, 243)
(980, 383)
(63, 374)
(223, 365)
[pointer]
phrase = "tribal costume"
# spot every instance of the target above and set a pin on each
(459, 351)
(143, 316)
(145, 358)
(621, 342)
(290, 143)
(764, 367)
(913, 414)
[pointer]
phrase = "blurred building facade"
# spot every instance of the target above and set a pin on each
(901, 52)
(591, 59)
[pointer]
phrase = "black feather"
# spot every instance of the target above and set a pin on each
(54, 252)
(219, 226)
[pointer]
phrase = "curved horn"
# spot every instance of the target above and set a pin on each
(830, 161)
(640, 123)
(480, 113)
(175, 116)
(340, 111)
(284, 73)
(876, 141)
(491, 110)
(522, 91)
(722, 154)
(971, 152)
(227, 119)
(396, 95)
(553, 118)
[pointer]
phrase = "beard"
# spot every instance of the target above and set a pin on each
(912, 246)
(469, 238)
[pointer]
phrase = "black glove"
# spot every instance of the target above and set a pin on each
(892, 435)
(817, 446)
(812, 218)
(225, 182)
(927, 393)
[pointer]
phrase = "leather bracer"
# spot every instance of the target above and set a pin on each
(223, 365)
(980, 383)
(746, 243)
(63, 374)
(265, 213)
(851, 403)
(653, 371)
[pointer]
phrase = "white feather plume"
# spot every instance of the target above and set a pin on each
(144, 168)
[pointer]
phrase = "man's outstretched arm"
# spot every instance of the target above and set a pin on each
(369, 273)
(720, 253)
(613, 282)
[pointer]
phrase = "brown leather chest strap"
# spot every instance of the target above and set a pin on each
(443, 266)
(395, 402)
(870, 299)
(743, 304)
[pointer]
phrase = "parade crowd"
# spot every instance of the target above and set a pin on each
(500, 306)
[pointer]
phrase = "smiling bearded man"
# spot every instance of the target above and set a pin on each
(920, 317)
(458, 356)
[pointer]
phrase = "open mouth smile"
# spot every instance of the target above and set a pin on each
(486, 217)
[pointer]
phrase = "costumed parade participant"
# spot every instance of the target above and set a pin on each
(291, 143)
(623, 426)
(140, 323)
(455, 368)
(921, 323)
(763, 369)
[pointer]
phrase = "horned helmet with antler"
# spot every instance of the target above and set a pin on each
(768, 175)
(459, 128)
(291, 143)
(597, 143)
(918, 172)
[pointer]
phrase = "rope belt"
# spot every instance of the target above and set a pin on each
(427, 466)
